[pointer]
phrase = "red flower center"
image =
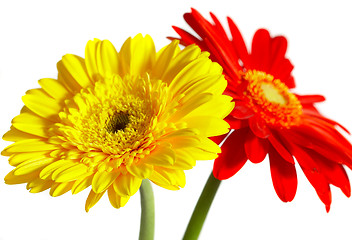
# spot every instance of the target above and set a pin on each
(271, 99)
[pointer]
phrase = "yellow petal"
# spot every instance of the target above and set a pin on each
(143, 55)
(191, 73)
(209, 126)
(124, 58)
(10, 178)
(19, 158)
(101, 59)
(220, 106)
(183, 141)
(109, 57)
(137, 56)
(200, 154)
(102, 180)
(69, 173)
(60, 169)
(82, 183)
(92, 199)
(116, 200)
(31, 119)
(58, 189)
(54, 88)
(182, 59)
(39, 185)
(191, 105)
(75, 67)
(48, 170)
(161, 155)
(32, 123)
(15, 135)
(66, 78)
(32, 166)
(209, 145)
(183, 160)
(91, 59)
(168, 187)
(45, 107)
(127, 185)
(164, 57)
(140, 170)
(181, 133)
(214, 84)
(173, 178)
(30, 145)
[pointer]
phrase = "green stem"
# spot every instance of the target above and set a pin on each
(201, 210)
(146, 231)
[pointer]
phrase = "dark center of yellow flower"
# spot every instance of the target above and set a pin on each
(271, 99)
(117, 122)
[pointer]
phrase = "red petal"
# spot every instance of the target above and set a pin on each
(199, 24)
(309, 109)
(256, 148)
(283, 175)
(241, 111)
(314, 175)
(235, 89)
(277, 51)
(281, 149)
(236, 123)
(290, 82)
(219, 55)
(218, 139)
(334, 172)
(187, 38)
(217, 25)
(296, 139)
(310, 99)
(259, 127)
(238, 42)
(232, 157)
(260, 56)
(283, 72)
(328, 127)
(281, 67)
(217, 42)
(321, 187)
(325, 136)
(316, 114)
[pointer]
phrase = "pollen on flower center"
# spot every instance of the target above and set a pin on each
(271, 99)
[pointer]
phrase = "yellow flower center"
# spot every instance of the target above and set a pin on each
(273, 94)
(117, 118)
(271, 99)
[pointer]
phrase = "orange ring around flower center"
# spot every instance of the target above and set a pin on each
(271, 99)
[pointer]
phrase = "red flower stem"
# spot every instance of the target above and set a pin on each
(201, 210)
(146, 231)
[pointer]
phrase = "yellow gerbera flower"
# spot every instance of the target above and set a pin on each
(114, 119)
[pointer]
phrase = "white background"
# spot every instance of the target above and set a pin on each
(35, 34)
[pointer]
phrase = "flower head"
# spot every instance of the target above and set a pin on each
(268, 118)
(116, 118)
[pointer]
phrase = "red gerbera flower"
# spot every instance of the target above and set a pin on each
(268, 117)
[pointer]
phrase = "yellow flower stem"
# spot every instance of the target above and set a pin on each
(201, 210)
(146, 231)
